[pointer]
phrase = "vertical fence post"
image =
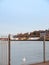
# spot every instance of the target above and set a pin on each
(9, 49)
(44, 49)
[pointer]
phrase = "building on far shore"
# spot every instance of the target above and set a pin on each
(44, 33)
(35, 35)
(33, 38)
(3, 37)
(21, 36)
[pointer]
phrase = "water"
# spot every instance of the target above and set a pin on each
(31, 50)
(3, 53)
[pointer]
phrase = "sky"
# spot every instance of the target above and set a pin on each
(20, 16)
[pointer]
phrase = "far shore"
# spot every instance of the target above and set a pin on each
(24, 40)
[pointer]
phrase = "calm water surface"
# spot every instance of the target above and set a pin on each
(31, 50)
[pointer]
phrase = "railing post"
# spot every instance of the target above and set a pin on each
(44, 49)
(9, 49)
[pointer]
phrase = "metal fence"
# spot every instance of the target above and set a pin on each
(3, 53)
(23, 52)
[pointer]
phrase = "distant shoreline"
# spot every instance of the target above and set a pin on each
(24, 40)
(29, 40)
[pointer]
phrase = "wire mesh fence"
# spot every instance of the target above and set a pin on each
(3, 52)
(22, 52)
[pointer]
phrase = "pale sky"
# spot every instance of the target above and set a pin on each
(18, 16)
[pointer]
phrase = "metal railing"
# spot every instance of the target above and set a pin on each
(9, 52)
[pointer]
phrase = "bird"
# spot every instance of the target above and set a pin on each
(24, 59)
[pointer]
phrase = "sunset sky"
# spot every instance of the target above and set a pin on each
(18, 16)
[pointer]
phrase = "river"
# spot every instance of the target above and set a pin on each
(32, 51)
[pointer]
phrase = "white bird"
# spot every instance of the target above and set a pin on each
(24, 59)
